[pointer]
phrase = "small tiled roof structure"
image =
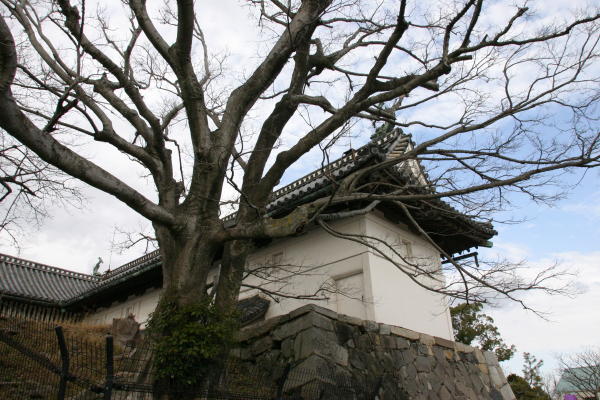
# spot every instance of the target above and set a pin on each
(452, 230)
(579, 379)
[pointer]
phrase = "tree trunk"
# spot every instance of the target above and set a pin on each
(186, 314)
(231, 273)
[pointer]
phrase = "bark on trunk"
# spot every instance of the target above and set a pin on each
(231, 273)
(188, 255)
(187, 259)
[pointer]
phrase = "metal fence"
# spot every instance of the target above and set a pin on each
(42, 361)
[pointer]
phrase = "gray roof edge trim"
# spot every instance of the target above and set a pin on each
(127, 274)
(311, 176)
(30, 299)
(149, 257)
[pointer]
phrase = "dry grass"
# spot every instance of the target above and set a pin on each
(23, 378)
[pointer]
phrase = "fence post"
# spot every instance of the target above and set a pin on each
(108, 386)
(64, 358)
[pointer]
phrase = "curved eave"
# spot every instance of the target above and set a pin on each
(150, 275)
(40, 301)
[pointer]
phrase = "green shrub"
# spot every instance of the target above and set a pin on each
(190, 341)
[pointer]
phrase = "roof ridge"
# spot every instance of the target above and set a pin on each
(127, 266)
(388, 137)
(46, 268)
(345, 158)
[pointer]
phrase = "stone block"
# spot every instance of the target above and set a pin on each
(358, 360)
(424, 364)
(435, 384)
(307, 371)
(426, 339)
(258, 329)
(377, 340)
(484, 369)
(371, 326)
(402, 343)
(425, 349)
(261, 345)
(495, 377)
(405, 333)
(438, 353)
(411, 353)
(313, 308)
(463, 348)
(287, 348)
(397, 358)
(306, 321)
(344, 331)
(449, 383)
(449, 354)
(449, 344)
(389, 342)
(490, 357)
(507, 393)
(385, 329)
(479, 356)
(302, 310)
(465, 391)
(269, 359)
(411, 372)
(341, 356)
(365, 342)
(327, 312)
(350, 320)
(444, 394)
(323, 343)
(501, 373)
(126, 331)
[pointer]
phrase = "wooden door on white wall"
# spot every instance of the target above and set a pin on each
(350, 296)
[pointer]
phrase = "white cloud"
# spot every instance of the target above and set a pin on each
(572, 323)
(74, 239)
(512, 251)
(589, 207)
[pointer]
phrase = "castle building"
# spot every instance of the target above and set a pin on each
(387, 279)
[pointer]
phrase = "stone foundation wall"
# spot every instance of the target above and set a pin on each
(315, 351)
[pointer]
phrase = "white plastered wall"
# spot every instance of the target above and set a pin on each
(317, 260)
(313, 261)
(140, 306)
(397, 299)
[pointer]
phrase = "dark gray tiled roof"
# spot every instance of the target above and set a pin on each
(252, 309)
(124, 272)
(28, 279)
(382, 146)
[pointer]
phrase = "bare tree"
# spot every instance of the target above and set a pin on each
(580, 374)
(27, 186)
(495, 105)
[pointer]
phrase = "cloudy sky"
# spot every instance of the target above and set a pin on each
(567, 232)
